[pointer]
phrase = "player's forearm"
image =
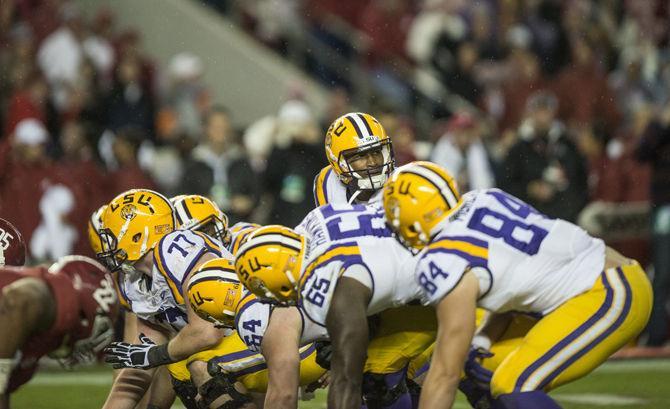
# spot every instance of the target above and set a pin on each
(193, 339)
(349, 354)
(128, 388)
(283, 384)
(438, 391)
(345, 393)
(281, 397)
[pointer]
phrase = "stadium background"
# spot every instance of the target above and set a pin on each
(232, 98)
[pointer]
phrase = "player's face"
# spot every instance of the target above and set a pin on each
(372, 159)
(145, 264)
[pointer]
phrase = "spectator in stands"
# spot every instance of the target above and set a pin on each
(61, 54)
(293, 164)
(128, 103)
(461, 151)
(654, 148)
(128, 174)
(582, 90)
(404, 139)
(461, 79)
(524, 80)
(98, 45)
(28, 102)
(188, 98)
(386, 23)
(17, 59)
(42, 199)
(544, 167)
(218, 168)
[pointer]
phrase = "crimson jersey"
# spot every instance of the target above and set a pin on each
(66, 321)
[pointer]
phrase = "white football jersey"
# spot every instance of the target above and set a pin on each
(329, 189)
(159, 299)
(351, 240)
(524, 260)
(252, 320)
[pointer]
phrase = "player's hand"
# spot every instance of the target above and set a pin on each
(474, 369)
(142, 356)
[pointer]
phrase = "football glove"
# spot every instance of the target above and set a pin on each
(142, 356)
(474, 369)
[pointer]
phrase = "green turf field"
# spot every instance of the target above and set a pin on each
(625, 384)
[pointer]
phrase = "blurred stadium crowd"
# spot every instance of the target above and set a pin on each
(561, 103)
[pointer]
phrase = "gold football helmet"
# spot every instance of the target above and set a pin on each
(349, 139)
(94, 227)
(238, 233)
(215, 292)
(417, 197)
(133, 223)
(269, 264)
(196, 212)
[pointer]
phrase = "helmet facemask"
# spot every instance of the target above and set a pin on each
(370, 178)
(216, 228)
(111, 256)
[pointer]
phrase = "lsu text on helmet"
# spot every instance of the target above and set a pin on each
(214, 292)
(359, 151)
(132, 225)
(417, 197)
(269, 263)
(196, 212)
(12, 246)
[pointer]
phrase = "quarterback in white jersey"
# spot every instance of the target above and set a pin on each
(492, 250)
(343, 262)
(360, 154)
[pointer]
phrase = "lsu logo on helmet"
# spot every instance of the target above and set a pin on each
(132, 224)
(417, 197)
(215, 292)
(349, 139)
(268, 263)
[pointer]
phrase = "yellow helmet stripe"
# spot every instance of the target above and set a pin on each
(450, 197)
(364, 120)
(270, 238)
(182, 213)
(204, 275)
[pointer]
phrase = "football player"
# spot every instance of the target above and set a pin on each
(342, 267)
(492, 250)
(12, 246)
(216, 295)
(65, 311)
(361, 159)
(139, 240)
(161, 394)
(196, 212)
